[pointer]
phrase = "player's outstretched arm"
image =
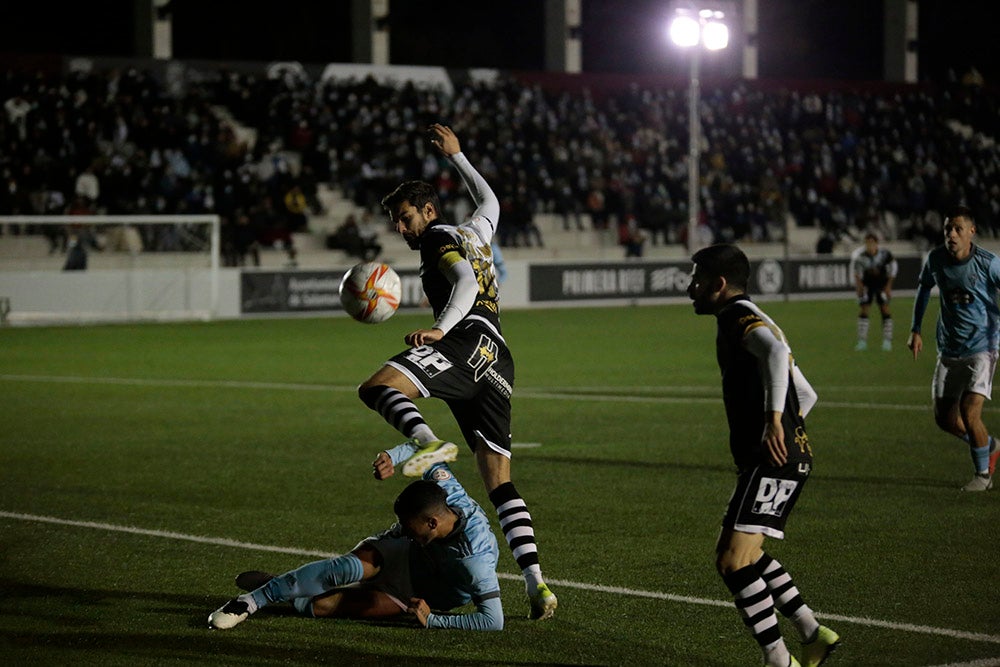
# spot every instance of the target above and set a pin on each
(487, 204)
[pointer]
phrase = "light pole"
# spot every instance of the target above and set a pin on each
(695, 28)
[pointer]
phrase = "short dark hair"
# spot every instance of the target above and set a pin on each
(724, 260)
(961, 212)
(417, 193)
(871, 235)
(419, 498)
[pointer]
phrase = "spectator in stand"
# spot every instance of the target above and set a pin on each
(354, 241)
(295, 209)
(273, 229)
(633, 237)
(79, 239)
(88, 186)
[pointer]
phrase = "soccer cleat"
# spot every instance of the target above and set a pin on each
(819, 649)
(981, 482)
(887, 346)
(792, 662)
(252, 580)
(861, 346)
(543, 603)
(994, 455)
(229, 615)
(438, 451)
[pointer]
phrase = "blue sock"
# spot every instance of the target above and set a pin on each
(310, 580)
(981, 458)
(990, 441)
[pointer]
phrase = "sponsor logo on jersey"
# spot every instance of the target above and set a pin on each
(440, 474)
(484, 356)
(773, 495)
(428, 360)
(802, 440)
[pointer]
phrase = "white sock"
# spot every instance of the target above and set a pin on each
(532, 577)
(777, 655)
(423, 434)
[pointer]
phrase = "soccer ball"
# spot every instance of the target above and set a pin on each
(370, 292)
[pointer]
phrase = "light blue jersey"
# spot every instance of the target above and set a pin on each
(970, 319)
(452, 571)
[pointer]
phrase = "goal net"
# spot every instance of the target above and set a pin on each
(106, 268)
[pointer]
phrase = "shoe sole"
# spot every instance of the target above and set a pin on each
(548, 610)
(419, 463)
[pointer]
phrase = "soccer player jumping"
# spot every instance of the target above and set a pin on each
(766, 398)
(462, 358)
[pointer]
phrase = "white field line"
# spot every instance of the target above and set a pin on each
(598, 588)
(985, 662)
(563, 394)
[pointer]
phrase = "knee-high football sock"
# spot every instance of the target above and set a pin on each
(887, 329)
(307, 581)
(399, 411)
(519, 532)
(786, 596)
(862, 328)
(755, 604)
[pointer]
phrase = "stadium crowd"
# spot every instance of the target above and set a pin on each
(254, 149)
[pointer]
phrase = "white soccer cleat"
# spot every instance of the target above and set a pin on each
(981, 482)
(229, 615)
(439, 451)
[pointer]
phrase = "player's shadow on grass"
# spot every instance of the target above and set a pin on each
(70, 619)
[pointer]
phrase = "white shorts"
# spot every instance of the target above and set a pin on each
(954, 377)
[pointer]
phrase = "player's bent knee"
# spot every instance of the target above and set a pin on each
(370, 393)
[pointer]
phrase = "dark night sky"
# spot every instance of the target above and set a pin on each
(798, 39)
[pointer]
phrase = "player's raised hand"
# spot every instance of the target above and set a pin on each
(444, 139)
(382, 466)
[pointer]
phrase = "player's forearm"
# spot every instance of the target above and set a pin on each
(487, 204)
(920, 307)
(464, 290)
(488, 616)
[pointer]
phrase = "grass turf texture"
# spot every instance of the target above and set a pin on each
(251, 431)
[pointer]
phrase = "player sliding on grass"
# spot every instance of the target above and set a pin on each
(462, 358)
(766, 398)
(441, 555)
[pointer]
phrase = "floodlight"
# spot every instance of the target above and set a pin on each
(715, 35)
(685, 31)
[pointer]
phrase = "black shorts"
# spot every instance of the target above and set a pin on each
(873, 294)
(765, 495)
(472, 371)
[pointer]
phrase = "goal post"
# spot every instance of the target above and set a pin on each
(103, 268)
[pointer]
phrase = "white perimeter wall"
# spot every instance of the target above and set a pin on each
(38, 297)
(109, 295)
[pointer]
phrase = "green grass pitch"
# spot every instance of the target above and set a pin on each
(143, 466)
